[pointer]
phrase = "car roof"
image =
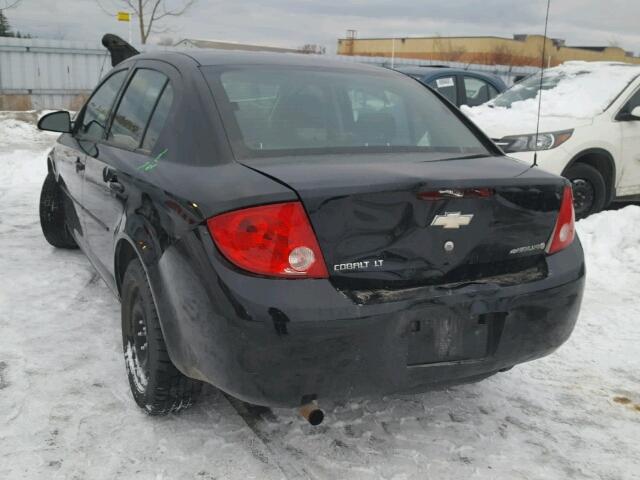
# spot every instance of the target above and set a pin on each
(211, 57)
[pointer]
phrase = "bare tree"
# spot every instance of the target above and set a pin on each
(5, 28)
(150, 13)
(7, 4)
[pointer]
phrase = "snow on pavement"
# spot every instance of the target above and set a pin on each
(66, 410)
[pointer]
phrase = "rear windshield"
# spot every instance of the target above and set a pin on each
(269, 111)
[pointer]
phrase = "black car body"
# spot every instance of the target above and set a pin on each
(459, 86)
(433, 262)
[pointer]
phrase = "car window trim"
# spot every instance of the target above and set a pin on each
(78, 121)
(153, 111)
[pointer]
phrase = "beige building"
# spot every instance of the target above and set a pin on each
(519, 50)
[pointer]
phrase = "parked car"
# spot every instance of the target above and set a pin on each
(459, 86)
(291, 229)
(590, 128)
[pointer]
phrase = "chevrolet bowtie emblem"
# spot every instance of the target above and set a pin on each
(452, 220)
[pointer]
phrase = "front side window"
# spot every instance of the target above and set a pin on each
(478, 91)
(301, 110)
(96, 113)
(135, 108)
(446, 86)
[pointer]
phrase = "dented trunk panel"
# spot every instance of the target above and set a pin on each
(376, 230)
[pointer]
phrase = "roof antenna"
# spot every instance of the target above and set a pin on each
(544, 48)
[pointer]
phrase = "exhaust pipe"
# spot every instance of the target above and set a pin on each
(312, 413)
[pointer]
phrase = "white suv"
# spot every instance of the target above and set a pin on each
(589, 128)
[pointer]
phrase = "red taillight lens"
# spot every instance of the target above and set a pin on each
(275, 240)
(565, 230)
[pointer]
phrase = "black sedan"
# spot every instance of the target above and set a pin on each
(290, 229)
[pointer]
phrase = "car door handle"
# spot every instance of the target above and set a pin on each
(79, 165)
(116, 186)
(110, 177)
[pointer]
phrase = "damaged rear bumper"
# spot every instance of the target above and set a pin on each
(275, 342)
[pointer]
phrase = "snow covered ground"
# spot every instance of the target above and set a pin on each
(66, 410)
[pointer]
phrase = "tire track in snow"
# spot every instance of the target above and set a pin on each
(81, 297)
(292, 465)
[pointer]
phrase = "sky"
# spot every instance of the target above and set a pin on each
(292, 23)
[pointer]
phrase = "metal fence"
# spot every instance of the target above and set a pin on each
(40, 74)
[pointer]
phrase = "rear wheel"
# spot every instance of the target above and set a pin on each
(589, 189)
(157, 385)
(52, 215)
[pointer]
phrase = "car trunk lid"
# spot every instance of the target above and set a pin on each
(398, 221)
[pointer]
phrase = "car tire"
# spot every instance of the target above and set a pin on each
(589, 189)
(158, 387)
(52, 215)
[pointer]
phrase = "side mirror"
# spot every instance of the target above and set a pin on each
(635, 113)
(59, 121)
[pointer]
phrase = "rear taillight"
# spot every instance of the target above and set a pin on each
(275, 240)
(565, 229)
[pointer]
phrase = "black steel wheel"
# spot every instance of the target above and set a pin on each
(52, 215)
(156, 384)
(135, 343)
(589, 190)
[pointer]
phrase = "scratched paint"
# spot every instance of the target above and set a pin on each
(153, 163)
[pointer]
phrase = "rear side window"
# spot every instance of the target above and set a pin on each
(446, 86)
(96, 113)
(478, 91)
(136, 107)
(158, 118)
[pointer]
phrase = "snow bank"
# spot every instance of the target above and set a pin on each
(12, 130)
(612, 240)
(582, 90)
(18, 129)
